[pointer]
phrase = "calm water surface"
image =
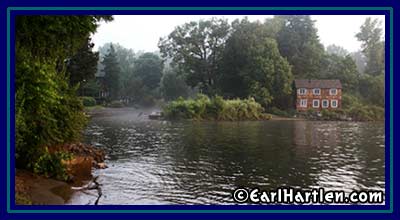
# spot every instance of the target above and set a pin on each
(159, 162)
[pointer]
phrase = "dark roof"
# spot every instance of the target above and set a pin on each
(317, 83)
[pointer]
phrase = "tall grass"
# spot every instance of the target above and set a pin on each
(216, 108)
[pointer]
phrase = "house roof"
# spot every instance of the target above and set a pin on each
(318, 83)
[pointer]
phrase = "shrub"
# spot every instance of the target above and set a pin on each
(350, 100)
(51, 165)
(330, 114)
(116, 104)
(358, 110)
(88, 101)
(283, 113)
(366, 113)
(21, 199)
(216, 108)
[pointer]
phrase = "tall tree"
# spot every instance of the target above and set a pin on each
(148, 68)
(47, 109)
(373, 46)
(196, 49)
(342, 68)
(173, 86)
(298, 41)
(83, 65)
(126, 58)
(253, 66)
(112, 73)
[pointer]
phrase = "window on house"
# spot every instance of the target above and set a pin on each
(325, 103)
(333, 92)
(317, 91)
(334, 103)
(303, 103)
(315, 103)
(302, 91)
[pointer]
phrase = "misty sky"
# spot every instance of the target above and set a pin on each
(142, 32)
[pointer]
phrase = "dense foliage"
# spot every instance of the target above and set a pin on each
(47, 110)
(196, 49)
(88, 101)
(112, 73)
(298, 41)
(252, 66)
(82, 66)
(215, 108)
(173, 86)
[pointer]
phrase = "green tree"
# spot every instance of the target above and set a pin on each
(298, 42)
(83, 65)
(173, 86)
(253, 66)
(148, 68)
(372, 89)
(196, 49)
(47, 109)
(373, 46)
(126, 58)
(112, 73)
(90, 88)
(342, 68)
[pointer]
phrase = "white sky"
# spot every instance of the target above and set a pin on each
(142, 32)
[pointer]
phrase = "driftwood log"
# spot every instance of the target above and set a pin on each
(92, 185)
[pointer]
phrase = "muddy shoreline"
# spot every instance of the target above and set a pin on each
(33, 189)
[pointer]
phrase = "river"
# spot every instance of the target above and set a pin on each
(161, 162)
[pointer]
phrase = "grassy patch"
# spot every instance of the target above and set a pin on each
(216, 108)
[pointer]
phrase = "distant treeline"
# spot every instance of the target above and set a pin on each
(243, 59)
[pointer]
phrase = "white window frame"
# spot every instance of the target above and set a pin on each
(303, 103)
(325, 101)
(332, 93)
(334, 101)
(304, 91)
(313, 101)
(317, 89)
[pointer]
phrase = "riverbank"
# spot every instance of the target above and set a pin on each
(33, 189)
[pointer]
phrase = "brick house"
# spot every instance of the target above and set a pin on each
(318, 94)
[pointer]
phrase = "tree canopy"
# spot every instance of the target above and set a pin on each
(299, 43)
(148, 68)
(112, 73)
(373, 46)
(196, 49)
(47, 109)
(253, 66)
(83, 65)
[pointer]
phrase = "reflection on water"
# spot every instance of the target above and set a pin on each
(158, 162)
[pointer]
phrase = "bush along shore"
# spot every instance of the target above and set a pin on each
(57, 172)
(215, 108)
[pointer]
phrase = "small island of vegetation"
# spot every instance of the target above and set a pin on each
(216, 108)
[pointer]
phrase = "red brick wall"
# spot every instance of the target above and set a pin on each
(324, 95)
